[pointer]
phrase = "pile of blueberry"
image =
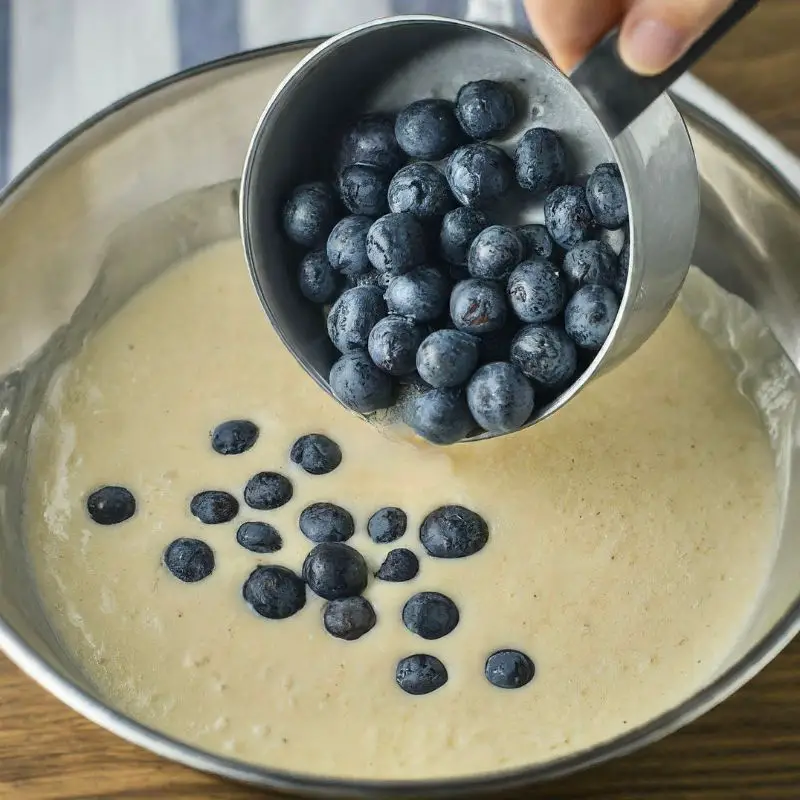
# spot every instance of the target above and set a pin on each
(420, 287)
(333, 570)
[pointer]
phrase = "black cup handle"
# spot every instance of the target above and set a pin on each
(617, 95)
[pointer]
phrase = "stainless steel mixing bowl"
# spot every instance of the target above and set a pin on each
(154, 178)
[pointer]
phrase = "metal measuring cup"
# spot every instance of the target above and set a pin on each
(603, 111)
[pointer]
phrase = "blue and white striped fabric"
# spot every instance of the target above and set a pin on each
(63, 60)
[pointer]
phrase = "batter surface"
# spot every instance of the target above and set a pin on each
(630, 535)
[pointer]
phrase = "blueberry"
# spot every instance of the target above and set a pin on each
(509, 669)
(440, 415)
(479, 174)
(453, 532)
(500, 397)
(606, 195)
(536, 291)
(494, 252)
(316, 454)
(274, 592)
(349, 618)
(546, 355)
(334, 570)
(624, 265)
(428, 129)
(399, 566)
(421, 190)
(478, 306)
(447, 358)
(110, 505)
(363, 189)
(485, 109)
(347, 246)
(430, 615)
(459, 229)
(591, 262)
(387, 525)
(536, 242)
(353, 316)
(326, 522)
(396, 244)
(234, 437)
(213, 507)
(318, 281)
(372, 141)
(189, 560)
(567, 216)
(259, 537)
(540, 161)
(310, 214)
(266, 491)
(420, 295)
(420, 674)
(359, 385)
(590, 315)
(393, 345)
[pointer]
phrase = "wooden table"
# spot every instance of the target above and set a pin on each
(747, 748)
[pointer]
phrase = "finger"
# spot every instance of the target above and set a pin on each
(656, 33)
(569, 28)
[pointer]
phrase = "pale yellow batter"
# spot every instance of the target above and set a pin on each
(630, 535)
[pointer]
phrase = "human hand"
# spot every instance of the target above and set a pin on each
(654, 33)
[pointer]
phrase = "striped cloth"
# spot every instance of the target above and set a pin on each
(63, 60)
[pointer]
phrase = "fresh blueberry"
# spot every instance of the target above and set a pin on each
(326, 522)
(396, 244)
(213, 507)
(536, 242)
(453, 532)
(440, 415)
(274, 592)
(399, 566)
(485, 109)
(459, 229)
(393, 345)
(500, 397)
(540, 161)
(363, 189)
(430, 615)
(420, 674)
(353, 316)
(359, 385)
(347, 246)
(234, 437)
(316, 454)
(334, 570)
(421, 190)
(494, 252)
(266, 491)
(428, 129)
(447, 358)
(259, 537)
(546, 355)
(567, 216)
(624, 265)
(606, 195)
(349, 618)
(318, 281)
(372, 141)
(590, 315)
(421, 294)
(509, 669)
(478, 306)
(387, 525)
(110, 505)
(310, 214)
(536, 291)
(591, 262)
(189, 560)
(479, 174)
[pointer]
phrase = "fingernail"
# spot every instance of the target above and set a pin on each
(651, 46)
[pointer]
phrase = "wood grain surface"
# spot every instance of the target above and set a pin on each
(747, 748)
